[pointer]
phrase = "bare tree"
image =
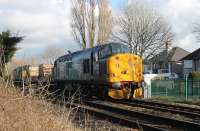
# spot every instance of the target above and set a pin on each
(105, 22)
(143, 29)
(196, 30)
(78, 24)
(30, 60)
(51, 54)
(91, 22)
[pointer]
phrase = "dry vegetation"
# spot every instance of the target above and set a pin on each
(26, 113)
(29, 113)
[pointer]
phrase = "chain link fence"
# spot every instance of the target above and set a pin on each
(178, 88)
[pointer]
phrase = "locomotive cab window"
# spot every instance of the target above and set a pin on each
(86, 65)
(105, 52)
(68, 66)
(119, 48)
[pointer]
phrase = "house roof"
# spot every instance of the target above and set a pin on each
(194, 55)
(175, 54)
(178, 53)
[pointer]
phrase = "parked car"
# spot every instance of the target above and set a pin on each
(148, 72)
(162, 74)
(163, 71)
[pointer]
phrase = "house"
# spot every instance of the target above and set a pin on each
(168, 60)
(191, 62)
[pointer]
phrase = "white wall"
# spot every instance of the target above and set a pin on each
(147, 87)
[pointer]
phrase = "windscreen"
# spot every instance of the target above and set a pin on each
(113, 49)
(119, 48)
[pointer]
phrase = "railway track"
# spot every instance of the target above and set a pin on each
(189, 112)
(134, 118)
(117, 117)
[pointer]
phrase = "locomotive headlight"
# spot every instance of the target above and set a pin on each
(114, 75)
(116, 85)
(125, 72)
(117, 58)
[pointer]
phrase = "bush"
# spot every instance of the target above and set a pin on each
(196, 75)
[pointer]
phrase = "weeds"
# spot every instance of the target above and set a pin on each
(32, 112)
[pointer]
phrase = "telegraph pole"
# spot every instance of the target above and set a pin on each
(167, 62)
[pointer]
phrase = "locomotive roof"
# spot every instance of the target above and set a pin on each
(70, 55)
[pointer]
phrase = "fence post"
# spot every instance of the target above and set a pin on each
(193, 88)
(186, 87)
(179, 85)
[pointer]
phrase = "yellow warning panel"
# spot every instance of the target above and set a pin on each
(124, 67)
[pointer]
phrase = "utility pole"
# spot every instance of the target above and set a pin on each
(167, 59)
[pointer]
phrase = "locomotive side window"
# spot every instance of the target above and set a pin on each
(68, 66)
(86, 65)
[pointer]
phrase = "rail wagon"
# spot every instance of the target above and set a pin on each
(104, 70)
(45, 70)
(27, 74)
(45, 73)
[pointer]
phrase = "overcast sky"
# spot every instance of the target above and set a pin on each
(47, 22)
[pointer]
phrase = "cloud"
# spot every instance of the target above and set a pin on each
(188, 42)
(43, 23)
(182, 14)
(47, 22)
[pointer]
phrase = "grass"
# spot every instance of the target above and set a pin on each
(171, 99)
(30, 113)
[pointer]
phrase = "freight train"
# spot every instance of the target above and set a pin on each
(108, 70)
(27, 74)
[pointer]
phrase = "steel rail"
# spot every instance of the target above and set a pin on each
(147, 118)
(119, 118)
(188, 112)
(178, 107)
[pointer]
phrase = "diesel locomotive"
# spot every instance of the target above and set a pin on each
(108, 70)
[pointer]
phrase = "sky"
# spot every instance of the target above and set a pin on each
(45, 23)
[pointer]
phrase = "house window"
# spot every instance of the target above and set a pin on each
(187, 63)
(86, 65)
